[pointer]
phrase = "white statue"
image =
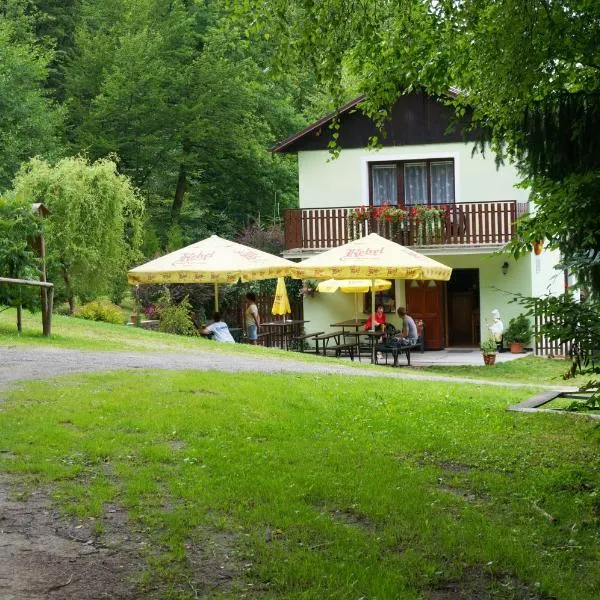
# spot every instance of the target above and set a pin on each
(497, 326)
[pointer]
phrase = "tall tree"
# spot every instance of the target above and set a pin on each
(29, 122)
(157, 87)
(19, 227)
(94, 227)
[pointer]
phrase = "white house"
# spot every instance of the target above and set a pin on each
(425, 160)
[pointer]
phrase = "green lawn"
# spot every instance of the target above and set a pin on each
(322, 486)
(530, 368)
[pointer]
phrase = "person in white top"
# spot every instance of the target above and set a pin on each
(220, 331)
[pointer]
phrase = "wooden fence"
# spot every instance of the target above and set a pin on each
(463, 223)
(543, 345)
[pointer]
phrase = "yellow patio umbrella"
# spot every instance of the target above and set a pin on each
(281, 304)
(353, 286)
(372, 257)
(212, 260)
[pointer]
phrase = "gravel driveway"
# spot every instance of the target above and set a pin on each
(25, 363)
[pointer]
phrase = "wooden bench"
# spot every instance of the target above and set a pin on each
(388, 348)
(299, 341)
(350, 348)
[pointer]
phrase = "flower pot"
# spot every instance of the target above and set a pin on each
(133, 319)
(516, 347)
(489, 359)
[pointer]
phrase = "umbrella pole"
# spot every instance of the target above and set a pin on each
(372, 305)
(216, 297)
(356, 308)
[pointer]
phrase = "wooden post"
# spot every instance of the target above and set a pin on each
(48, 312)
(49, 307)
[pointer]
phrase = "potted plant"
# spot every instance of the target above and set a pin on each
(489, 347)
(518, 332)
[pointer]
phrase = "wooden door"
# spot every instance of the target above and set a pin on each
(460, 315)
(424, 301)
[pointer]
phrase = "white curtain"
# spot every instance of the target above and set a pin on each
(385, 185)
(415, 183)
(442, 182)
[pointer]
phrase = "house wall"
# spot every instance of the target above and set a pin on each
(326, 182)
(496, 290)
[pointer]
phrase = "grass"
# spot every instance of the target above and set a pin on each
(322, 486)
(75, 333)
(533, 369)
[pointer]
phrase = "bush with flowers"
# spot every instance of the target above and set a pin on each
(397, 214)
(424, 221)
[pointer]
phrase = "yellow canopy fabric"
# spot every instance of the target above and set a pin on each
(353, 286)
(213, 260)
(370, 257)
(281, 304)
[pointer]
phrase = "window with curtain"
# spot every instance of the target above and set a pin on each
(384, 180)
(442, 182)
(413, 182)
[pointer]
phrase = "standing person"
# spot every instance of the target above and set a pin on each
(251, 317)
(219, 330)
(379, 320)
(409, 328)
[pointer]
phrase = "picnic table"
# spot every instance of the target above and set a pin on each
(355, 324)
(282, 331)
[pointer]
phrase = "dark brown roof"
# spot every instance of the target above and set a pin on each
(416, 118)
(284, 144)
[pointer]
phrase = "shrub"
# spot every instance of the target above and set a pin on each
(176, 318)
(489, 346)
(101, 310)
(518, 330)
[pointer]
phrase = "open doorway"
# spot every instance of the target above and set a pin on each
(463, 308)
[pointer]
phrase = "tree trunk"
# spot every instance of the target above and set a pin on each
(19, 318)
(179, 194)
(70, 296)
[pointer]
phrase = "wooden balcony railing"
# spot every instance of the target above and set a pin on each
(476, 223)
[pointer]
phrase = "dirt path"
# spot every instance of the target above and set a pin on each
(46, 556)
(25, 363)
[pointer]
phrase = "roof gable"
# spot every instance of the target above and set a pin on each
(416, 118)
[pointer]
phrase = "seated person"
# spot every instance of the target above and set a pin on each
(379, 320)
(219, 330)
(409, 334)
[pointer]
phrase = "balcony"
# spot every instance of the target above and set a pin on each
(468, 224)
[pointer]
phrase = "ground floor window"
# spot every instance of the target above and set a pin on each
(387, 298)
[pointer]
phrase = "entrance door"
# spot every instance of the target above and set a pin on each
(463, 307)
(424, 301)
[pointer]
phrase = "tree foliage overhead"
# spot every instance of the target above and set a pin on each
(93, 233)
(529, 70)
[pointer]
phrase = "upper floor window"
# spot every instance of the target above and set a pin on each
(412, 182)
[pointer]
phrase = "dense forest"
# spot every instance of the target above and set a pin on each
(173, 92)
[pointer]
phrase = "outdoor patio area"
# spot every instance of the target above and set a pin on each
(458, 356)
(452, 357)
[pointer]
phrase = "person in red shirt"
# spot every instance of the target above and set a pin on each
(379, 319)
